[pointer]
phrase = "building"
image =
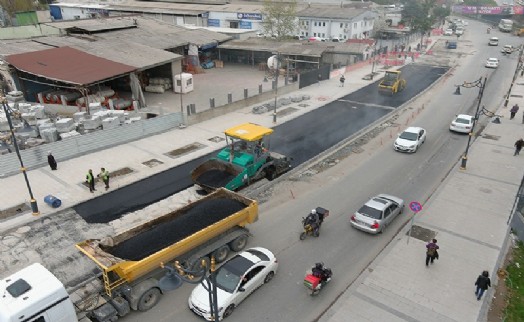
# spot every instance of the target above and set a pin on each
(334, 22)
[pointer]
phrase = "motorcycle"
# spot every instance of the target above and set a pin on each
(309, 226)
(315, 282)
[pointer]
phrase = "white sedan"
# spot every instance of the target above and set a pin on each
(462, 123)
(236, 279)
(410, 140)
(448, 32)
(492, 63)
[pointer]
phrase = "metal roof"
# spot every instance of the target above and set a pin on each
(155, 6)
(68, 65)
(11, 47)
(333, 12)
(92, 25)
(313, 49)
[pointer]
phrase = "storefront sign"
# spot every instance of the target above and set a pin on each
(245, 25)
(213, 22)
(249, 16)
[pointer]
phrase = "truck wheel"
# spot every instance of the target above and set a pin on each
(238, 243)
(228, 311)
(149, 299)
(220, 254)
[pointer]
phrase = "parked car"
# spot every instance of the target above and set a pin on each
(462, 123)
(459, 31)
(410, 140)
(452, 45)
(493, 41)
(377, 213)
(448, 32)
(236, 279)
(492, 63)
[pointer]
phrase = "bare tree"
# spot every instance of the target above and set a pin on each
(280, 18)
(13, 6)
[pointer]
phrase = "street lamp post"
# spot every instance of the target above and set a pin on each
(34, 205)
(481, 84)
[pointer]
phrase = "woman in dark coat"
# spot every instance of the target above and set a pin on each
(51, 160)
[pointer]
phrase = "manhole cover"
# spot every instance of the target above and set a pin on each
(287, 111)
(422, 233)
(491, 137)
(185, 150)
(216, 139)
(152, 163)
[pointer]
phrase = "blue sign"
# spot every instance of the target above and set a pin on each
(244, 25)
(249, 16)
(213, 22)
(415, 206)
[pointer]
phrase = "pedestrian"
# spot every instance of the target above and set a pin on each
(342, 80)
(319, 78)
(104, 174)
(51, 161)
(518, 146)
(482, 284)
(513, 111)
(431, 251)
(409, 48)
(90, 179)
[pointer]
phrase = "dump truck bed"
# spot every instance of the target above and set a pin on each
(138, 251)
(214, 174)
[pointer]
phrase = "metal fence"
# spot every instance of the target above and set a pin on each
(79, 145)
(516, 220)
(311, 77)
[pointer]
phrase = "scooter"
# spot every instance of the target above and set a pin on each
(314, 283)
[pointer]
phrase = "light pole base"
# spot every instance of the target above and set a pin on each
(274, 117)
(463, 163)
(34, 208)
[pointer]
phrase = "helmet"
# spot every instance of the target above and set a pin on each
(319, 266)
(313, 211)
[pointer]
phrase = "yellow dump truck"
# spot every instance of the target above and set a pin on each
(391, 83)
(211, 226)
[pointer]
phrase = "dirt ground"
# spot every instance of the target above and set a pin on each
(500, 297)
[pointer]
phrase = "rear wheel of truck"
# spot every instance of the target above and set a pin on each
(220, 254)
(149, 299)
(238, 243)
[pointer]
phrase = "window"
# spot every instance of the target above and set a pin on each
(314, 34)
(323, 35)
(315, 24)
(387, 212)
(347, 24)
(355, 25)
(341, 25)
(323, 24)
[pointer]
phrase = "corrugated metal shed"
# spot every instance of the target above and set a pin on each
(68, 65)
(11, 47)
(330, 12)
(118, 50)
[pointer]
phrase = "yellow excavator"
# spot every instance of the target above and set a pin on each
(392, 83)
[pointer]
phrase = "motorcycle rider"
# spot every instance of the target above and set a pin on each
(319, 271)
(489, 29)
(313, 219)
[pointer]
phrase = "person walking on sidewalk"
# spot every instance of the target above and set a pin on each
(482, 284)
(90, 179)
(513, 111)
(518, 146)
(319, 78)
(431, 251)
(51, 161)
(104, 174)
(342, 80)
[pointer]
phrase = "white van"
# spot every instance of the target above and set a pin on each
(493, 41)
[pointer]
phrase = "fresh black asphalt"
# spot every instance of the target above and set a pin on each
(301, 138)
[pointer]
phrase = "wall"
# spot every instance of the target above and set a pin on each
(24, 32)
(87, 143)
(221, 110)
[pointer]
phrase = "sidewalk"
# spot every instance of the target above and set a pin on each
(468, 216)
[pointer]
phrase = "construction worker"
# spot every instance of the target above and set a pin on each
(104, 174)
(90, 179)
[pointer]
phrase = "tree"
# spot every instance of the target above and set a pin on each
(13, 6)
(418, 15)
(279, 18)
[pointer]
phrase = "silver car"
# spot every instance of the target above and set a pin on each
(377, 213)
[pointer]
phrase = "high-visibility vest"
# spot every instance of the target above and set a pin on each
(89, 177)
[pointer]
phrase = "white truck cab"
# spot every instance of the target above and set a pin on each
(34, 294)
